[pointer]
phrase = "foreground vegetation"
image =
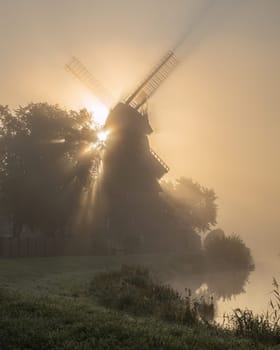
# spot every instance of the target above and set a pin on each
(264, 327)
(55, 323)
(133, 290)
(61, 303)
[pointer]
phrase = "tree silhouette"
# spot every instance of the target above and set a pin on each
(48, 163)
(45, 162)
(193, 204)
(227, 252)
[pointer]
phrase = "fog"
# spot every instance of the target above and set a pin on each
(216, 119)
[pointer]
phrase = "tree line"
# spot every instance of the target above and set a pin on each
(48, 160)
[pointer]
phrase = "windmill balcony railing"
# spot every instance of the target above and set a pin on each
(157, 157)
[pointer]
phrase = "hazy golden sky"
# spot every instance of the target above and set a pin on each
(216, 119)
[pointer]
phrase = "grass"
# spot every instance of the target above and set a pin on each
(132, 289)
(263, 328)
(55, 274)
(66, 275)
(61, 324)
(45, 303)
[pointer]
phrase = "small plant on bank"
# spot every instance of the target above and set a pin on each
(263, 328)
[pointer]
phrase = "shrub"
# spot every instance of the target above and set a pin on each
(132, 289)
(228, 252)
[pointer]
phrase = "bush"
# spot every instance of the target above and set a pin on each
(132, 289)
(228, 252)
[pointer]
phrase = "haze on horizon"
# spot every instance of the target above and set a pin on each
(216, 119)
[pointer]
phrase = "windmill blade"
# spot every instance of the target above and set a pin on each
(148, 87)
(79, 70)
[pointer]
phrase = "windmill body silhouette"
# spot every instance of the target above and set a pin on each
(129, 187)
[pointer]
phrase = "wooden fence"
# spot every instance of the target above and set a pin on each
(41, 246)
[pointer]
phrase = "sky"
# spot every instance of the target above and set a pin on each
(216, 119)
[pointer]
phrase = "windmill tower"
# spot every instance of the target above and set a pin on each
(131, 169)
(130, 188)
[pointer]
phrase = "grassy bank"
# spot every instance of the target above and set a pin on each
(56, 323)
(66, 275)
(45, 303)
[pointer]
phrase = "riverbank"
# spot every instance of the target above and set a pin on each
(45, 304)
(66, 323)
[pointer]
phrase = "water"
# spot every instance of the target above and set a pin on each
(257, 290)
(234, 289)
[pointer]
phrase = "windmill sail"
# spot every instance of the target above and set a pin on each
(148, 87)
(79, 70)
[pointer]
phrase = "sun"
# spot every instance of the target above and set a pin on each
(100, 114)
(102, 135)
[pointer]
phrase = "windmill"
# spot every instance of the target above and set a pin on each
(131, 169)
(134, 103)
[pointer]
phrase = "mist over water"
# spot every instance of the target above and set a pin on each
(233, 289)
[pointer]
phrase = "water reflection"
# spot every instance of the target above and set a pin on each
(225, 285)
(231, 289)
(222, 286)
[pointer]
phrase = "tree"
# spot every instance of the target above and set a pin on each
(227, 252)
(194, 204)
(46, 160)
(214, 235)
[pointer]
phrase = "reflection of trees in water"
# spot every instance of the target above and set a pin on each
(225, 285)
(222, 285)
